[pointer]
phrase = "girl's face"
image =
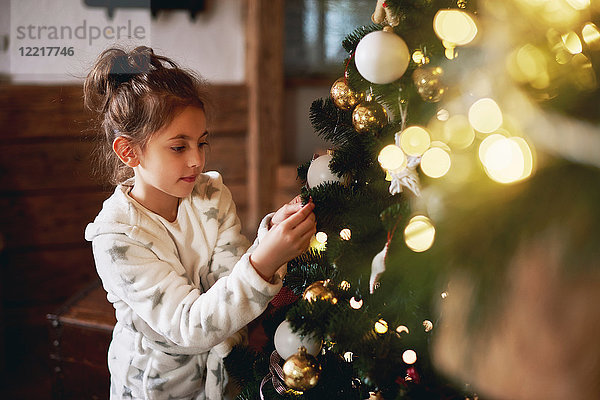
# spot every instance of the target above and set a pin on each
(172, 160)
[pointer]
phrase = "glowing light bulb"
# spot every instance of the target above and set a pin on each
(442, 114)
(344, 285)
(348, 356)
(419, 233)
(409, 357)
(345, 234)
(419, 57)
(444, 295)
(316, 245)
(381, 326)
(321, 237)
(454, 26)
(401, 329)
(428, 325)
(414, 140)
(356, 304)
(435, 162)
(392, 158)
(485, 115)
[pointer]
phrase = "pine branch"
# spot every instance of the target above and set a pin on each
(331, 123)
(351, 40)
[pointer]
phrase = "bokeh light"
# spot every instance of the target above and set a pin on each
(409, 357)
(419, 234)
(435, 162)
(345, 234)
(572, 42)
(427, 325)
(591, 36)
(321, 237)
(458, 133)
(402, 329)
(414, 140)
(356, 304)
(392, 158)
(455, 26)
(381, 326)
(485, 115)
(506, 160)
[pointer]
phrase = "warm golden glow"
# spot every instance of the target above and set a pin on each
(356, 304)
(572, 43)
(409, 357)
(485, 115)
(381, 326)
(402, 329)
(419, 233)
(591, 36)
(345, 234)
(321, 237)
(435, 162)
(583, 72)
(455, 26)
(579, 4)
(458, 133)
(414, 140)
(392, 158)
(528, 65)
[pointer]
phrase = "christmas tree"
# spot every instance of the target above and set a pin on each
(431, 188)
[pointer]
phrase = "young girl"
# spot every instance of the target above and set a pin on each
(167, 243)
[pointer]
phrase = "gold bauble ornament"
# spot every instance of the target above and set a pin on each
(319, 290)
(369, 116)
(428, 81)
(301, 371)
(343, 96)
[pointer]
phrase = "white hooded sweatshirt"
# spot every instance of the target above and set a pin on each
(183, 291)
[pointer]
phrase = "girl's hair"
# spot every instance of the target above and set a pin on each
(135, 94)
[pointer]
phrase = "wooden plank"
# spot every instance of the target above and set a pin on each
(62, 112)
(264, 24)
(69, 164)
(47, 219)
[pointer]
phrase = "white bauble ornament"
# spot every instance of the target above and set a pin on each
(288, 342)
(319, 172)
(381, 57)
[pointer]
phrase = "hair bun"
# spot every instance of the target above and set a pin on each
(113, 68)
(127, 66)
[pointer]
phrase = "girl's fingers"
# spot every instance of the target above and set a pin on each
(293, 220)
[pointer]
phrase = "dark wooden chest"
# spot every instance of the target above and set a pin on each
(80, 332)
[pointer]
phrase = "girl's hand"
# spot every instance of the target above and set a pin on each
(286, 210)
(285, 241)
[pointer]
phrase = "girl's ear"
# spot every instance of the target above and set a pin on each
(125, 152)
